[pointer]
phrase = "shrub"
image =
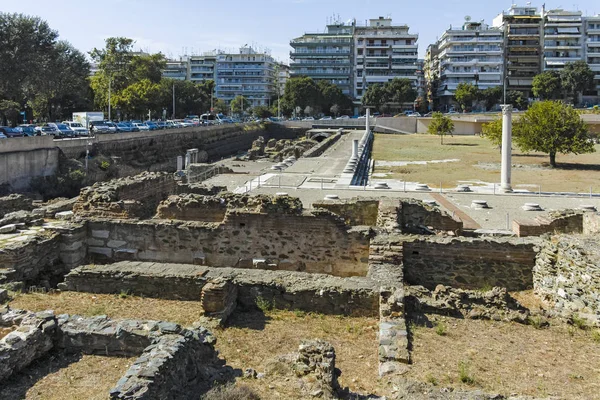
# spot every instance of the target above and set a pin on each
(231, 392)
(463, 373)
(596, 335)
(263, 304)
(104, 165)
(537, 321)
(579, 322)
(440, 329)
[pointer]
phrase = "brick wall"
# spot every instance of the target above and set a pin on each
(354, 212)
(557, 222)
(468, 263)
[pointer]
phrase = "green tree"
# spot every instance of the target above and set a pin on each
(190, 97)
(491, 96)
(262, 112)
(240, 104)
(9, 111)
(552, 127)
(375, 96)
(493, 131)
(219, 106)
(301, 92)
(576, 77)
(517, 99)
(331, 95)
(400, 91)
(465, 95)
(547, 85)
(440, 125)
(139, 98)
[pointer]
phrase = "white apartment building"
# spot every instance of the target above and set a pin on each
(176, 69)
(563, 38)
(202, 67)
(592, 49)
(248, 73)
(470, 54)
(382, 52)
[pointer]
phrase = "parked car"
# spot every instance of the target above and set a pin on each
(63, 130)
(11, 132)
(124, 127)
(451, 112)
(3, 136)
(162, 124)
(326, 119)
(141, 127)
(99, 127)
(415, 114)
(28, 130)
(343, 117)
(151, 125)
(76, 127)
(429, 114)
(47, 130)
(111, 126)
(308, 119)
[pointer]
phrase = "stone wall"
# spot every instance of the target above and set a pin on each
(320, 148)
(591, 223)
(414, 215)
(14, 202)
(308, 242)
(356, 211)
(469, 263)
(24, 158)
(286, 290)
(566, 221)
(131, 197)
(567, 276)
(25, 261)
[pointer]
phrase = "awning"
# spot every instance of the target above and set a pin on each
(568, 30)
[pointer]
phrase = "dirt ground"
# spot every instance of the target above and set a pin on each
(479, 160)
(496, 357)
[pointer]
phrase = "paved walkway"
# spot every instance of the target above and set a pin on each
(468, 222)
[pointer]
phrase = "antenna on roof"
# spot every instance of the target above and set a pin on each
(467, 18)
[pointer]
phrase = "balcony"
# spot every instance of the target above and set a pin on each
(321, 42)
(329, 53)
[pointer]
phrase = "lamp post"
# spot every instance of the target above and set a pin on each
(173, 116)
(109, 82)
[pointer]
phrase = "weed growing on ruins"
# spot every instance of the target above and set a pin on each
(124, 294)
(485, 288)
(579, 322)
(596, 335)
(263, 304)
(441, 329)
(431, 379)
(464, 374)
(96, 309)
(537, 321)
(231, 392)
(299, 313)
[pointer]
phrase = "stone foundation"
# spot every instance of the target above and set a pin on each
(567, 221)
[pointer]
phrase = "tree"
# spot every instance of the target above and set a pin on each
(375, 96)
(140, 97)
(262, 112)
(516, 99)
(576, 77)
(465, 95)
(547, 85)
(440, 125)
(239, 104)
(301, 92)
(308, 110)
(493, 131)
(552, 127)
(400, 91)
(331, 95)
(491, 96)
(219, 106)
(335, 110)
(9, 111)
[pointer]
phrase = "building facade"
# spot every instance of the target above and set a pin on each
(592, 52)
(383, 51)
(249, 74)
(325, 56)
(202, 68)
(176, 69)
(470, 54)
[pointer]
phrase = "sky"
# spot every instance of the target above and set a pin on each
(177, 27)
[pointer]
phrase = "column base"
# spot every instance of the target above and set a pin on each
(506, 189)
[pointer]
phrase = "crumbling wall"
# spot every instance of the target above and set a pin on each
(24, 261)
(131, 197)
(566, 221)
(567, 276)
(14, 202)
(415, 215)
(468, 263)
(281, 289)
(591, 223)
(356, 211)
(313, 243)
(321, 147)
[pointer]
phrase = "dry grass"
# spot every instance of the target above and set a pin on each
(67, 377)
(575, 172)
(251, 340)
(508, 358)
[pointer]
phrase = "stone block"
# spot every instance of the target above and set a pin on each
(100, 234)
(8, 228)
(3, 295)
(64, 215)
(75, 245)
(113, 244)
(105, 251)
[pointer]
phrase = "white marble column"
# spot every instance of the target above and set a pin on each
(368, 121)
(354, 150)
(505, 181)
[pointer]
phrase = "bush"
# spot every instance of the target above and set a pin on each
(463, 373)
(441, 329)
(263, 304)
(231, 392)
(104, 165)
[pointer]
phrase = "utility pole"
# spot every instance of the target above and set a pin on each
(109, 80)
(173, 116)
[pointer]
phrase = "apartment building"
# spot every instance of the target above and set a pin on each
(431, 74)
(563, 38)
(592, 52)
(248, 73)
(202, 67)
(283, 74)
(383, 51)
(470, 54)
(325, 56)
(176, 69)
(523, 46)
